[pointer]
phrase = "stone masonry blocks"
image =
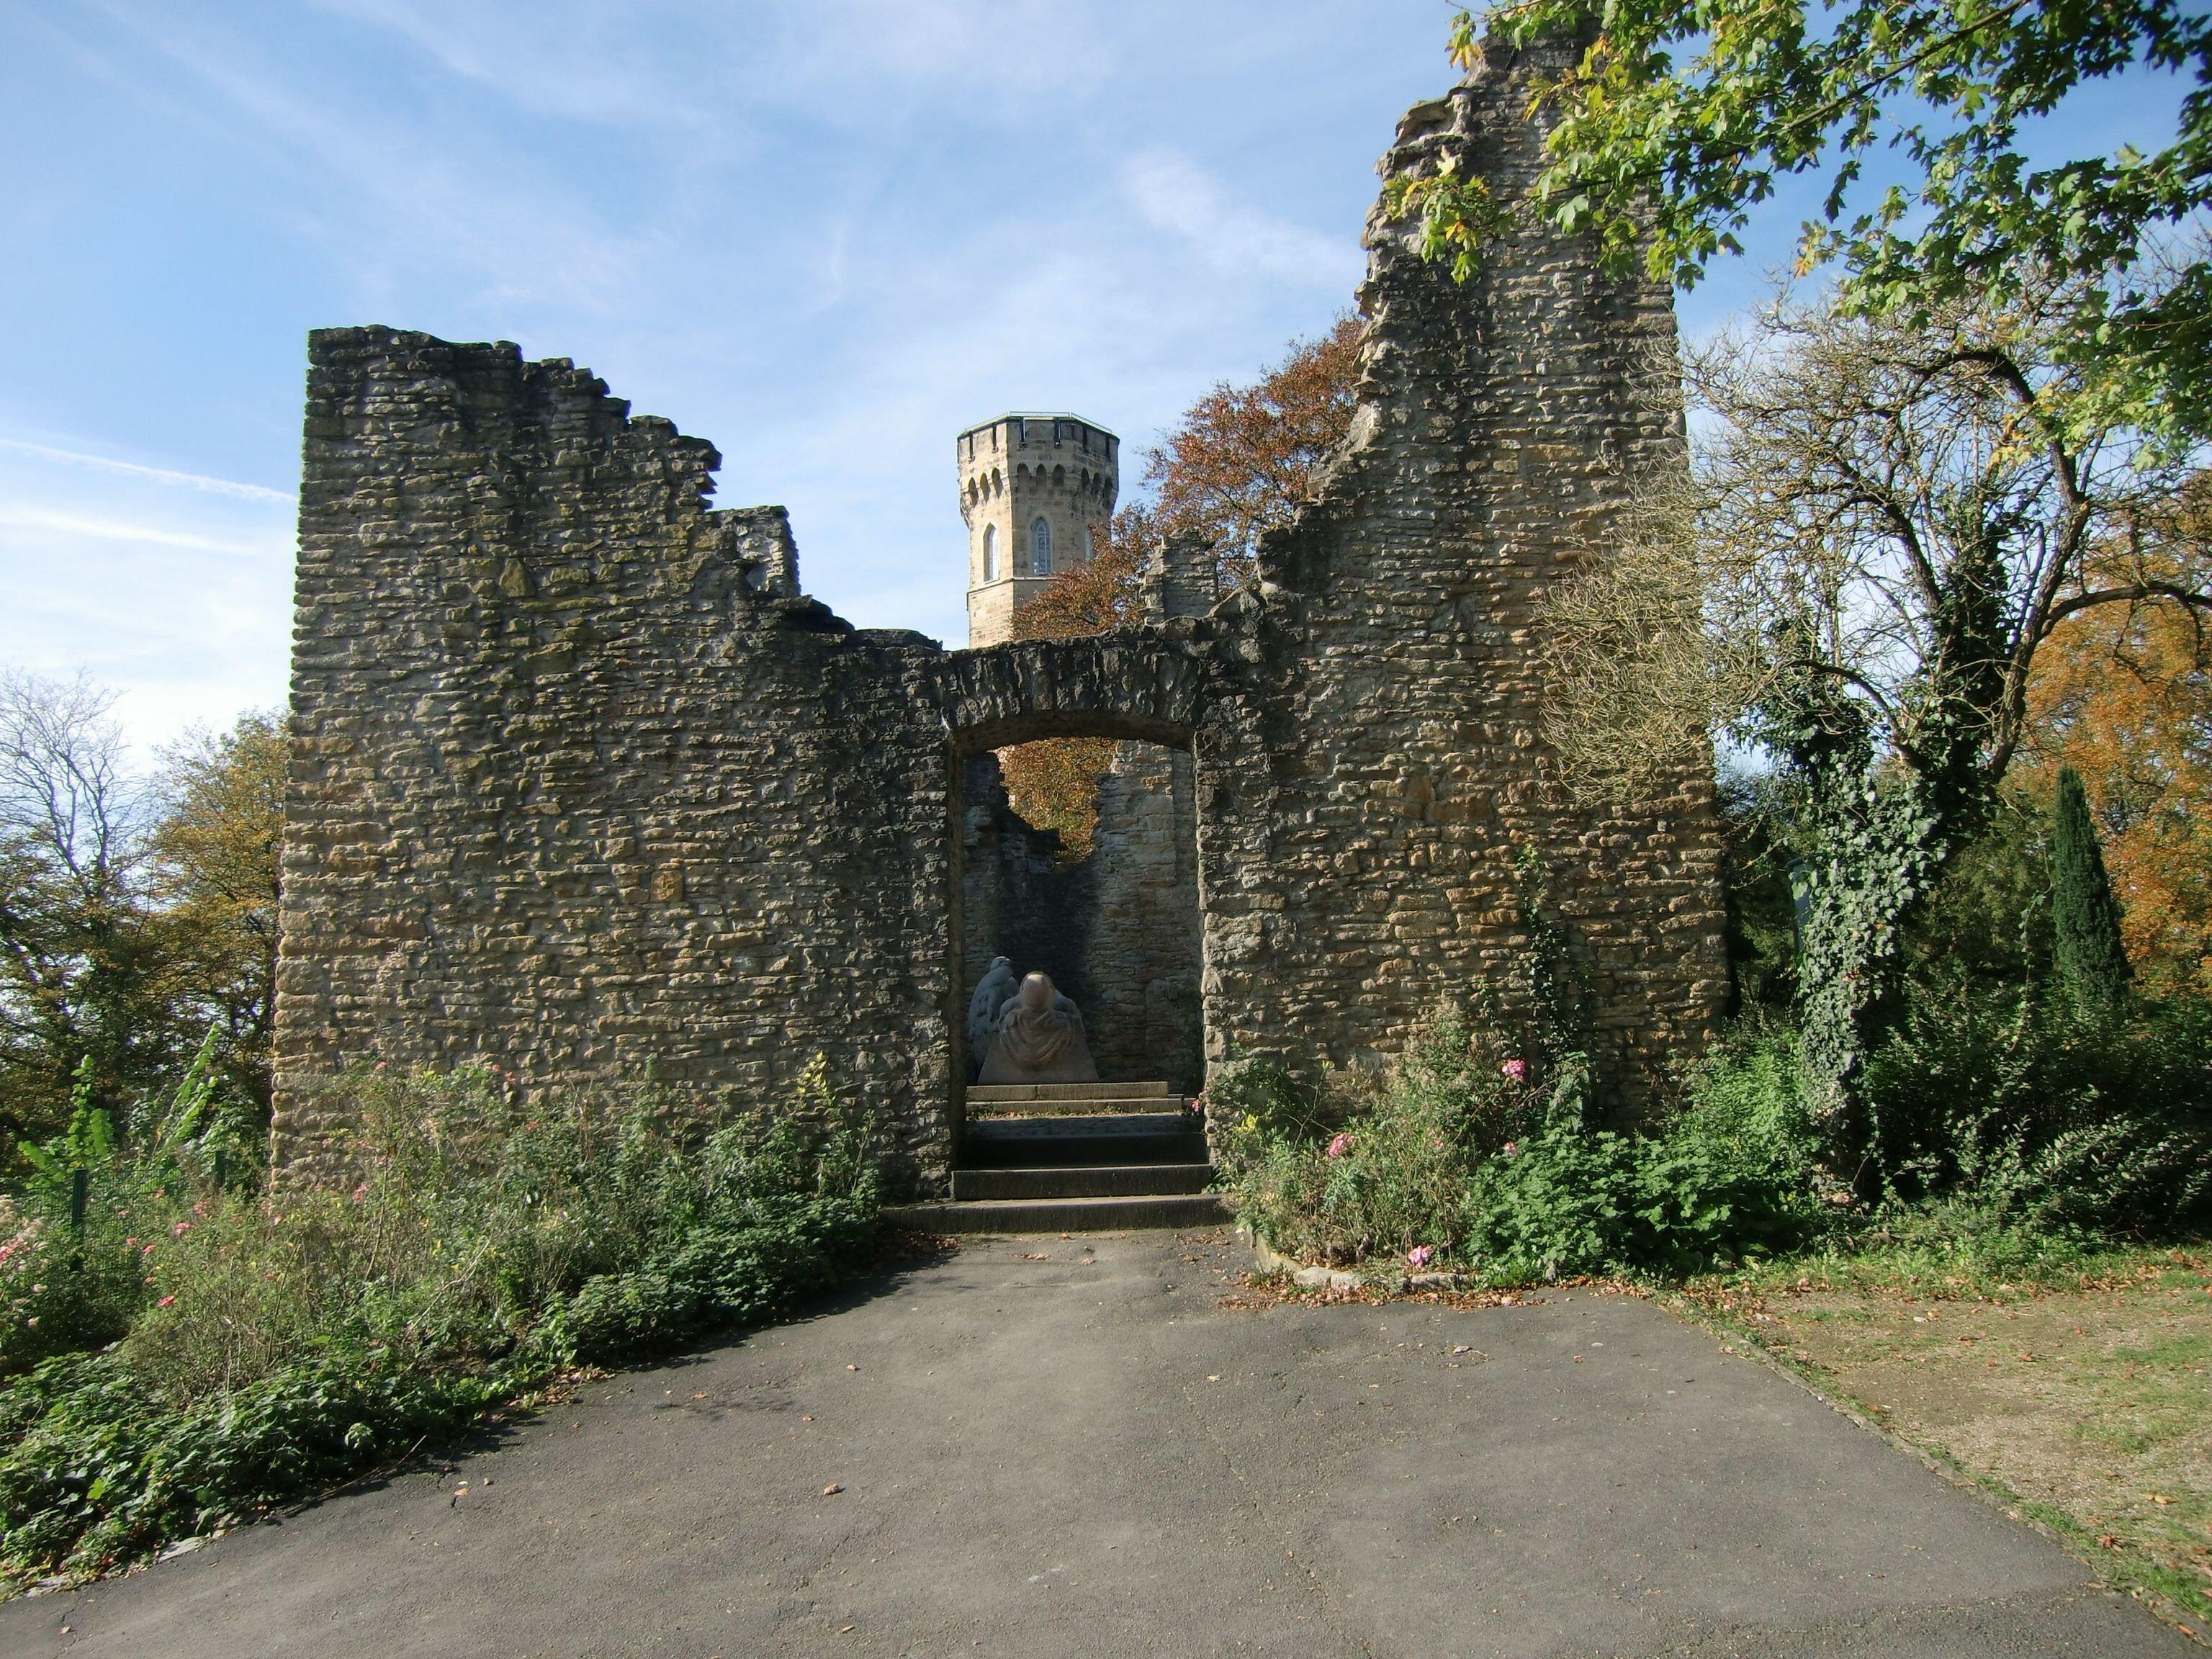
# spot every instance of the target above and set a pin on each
(582, 783)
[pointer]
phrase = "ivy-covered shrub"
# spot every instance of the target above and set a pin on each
(271, 1344)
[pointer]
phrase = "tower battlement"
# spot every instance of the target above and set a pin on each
(1035, 488)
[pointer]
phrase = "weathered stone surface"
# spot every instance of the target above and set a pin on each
(581, 783)
(1038, 1038)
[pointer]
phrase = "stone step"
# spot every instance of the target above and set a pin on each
(998, 1093)
(1074, 1106)
(1061, 1215)
(1119, 1137)
(1084, 1181)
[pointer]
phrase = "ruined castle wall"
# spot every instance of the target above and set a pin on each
(1145, 948)
(1359, 818)
(580, 785)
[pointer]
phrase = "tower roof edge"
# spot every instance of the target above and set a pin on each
(1039, 415)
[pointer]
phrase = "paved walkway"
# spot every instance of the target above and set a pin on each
(1049, 1447)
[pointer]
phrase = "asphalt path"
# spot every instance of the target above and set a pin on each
(1058, 1446)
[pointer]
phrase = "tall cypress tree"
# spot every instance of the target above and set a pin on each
(2092, 963)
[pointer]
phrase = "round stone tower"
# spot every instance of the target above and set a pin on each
(1034, 490)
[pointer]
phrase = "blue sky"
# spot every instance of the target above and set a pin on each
(825, 234)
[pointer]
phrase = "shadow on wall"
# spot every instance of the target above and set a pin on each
(1117, 927)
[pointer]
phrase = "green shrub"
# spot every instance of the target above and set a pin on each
(72, 1280)
(257, 1347)
(1451, 1151)
(1730, 1174)
(1378, 1165)
(2026, 1110)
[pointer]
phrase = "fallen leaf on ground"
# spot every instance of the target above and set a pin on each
(831, 1489)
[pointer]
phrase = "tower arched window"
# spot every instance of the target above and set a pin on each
(1040, 549)
(990, 552)
(1087, 543)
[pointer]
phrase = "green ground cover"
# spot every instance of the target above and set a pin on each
(182, 1347)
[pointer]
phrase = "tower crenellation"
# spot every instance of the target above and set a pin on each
(1035, 491)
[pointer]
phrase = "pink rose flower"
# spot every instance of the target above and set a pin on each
(1511, 1147)
(1516, 1070)
(1341, 1145)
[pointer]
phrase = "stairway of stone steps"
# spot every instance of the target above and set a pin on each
(1075, 1157)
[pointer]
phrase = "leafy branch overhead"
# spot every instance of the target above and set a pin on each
(1677, 121)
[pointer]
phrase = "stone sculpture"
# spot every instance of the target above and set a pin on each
(1040, 1039)
(996, 991)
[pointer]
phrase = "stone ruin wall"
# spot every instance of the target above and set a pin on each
(581, 784)
(1365, 874)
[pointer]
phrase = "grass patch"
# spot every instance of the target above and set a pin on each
(2077, 1382)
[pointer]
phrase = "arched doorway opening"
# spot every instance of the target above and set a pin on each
(1077, 855)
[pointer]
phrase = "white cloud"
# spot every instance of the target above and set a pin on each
(172, 586)
(123, 530)
(380, 190)
(1171, 192)
(155, 474)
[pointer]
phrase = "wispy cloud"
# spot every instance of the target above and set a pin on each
(1171, 192)
(125, 530)
(152, 474)
(382, 191)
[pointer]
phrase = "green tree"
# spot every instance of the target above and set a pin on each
(1881, 526)
(214, 878)
(79, 967)
(1677, 120)
(2092, 963)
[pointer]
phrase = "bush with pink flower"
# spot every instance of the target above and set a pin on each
(1369, 1165)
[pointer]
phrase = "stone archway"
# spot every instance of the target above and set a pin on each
(1120, 927)
(1129, 685)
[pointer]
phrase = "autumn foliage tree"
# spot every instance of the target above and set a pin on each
(1236, 466)
(1242, 458)
(2123, 695)
(214, 885)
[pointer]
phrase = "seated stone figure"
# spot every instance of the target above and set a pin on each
(1040, 1039)
(992, 995)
